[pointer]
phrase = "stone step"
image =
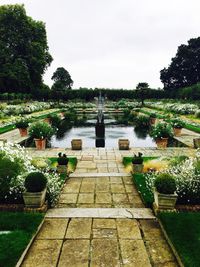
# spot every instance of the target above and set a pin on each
(99, 174)
(131, 213)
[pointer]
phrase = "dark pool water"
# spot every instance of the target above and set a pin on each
(112, 134)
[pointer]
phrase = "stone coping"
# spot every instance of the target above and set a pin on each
(100, 174)
(128, 213)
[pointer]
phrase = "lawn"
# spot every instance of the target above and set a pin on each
(183, 229)
(139, 180)
(22, 226)
(71, 164)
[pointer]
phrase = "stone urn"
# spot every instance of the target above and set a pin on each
(62, 168)
(196, 142)
(152, 121)
(76, 144)
(177, 131)
(138, 168)
(40, 143)
(34, 199)
(123, 144)
(23, 132)
(164, 201)
(161, 142)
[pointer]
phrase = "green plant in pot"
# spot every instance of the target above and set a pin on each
(40, 132)
(164, 193)
(62, 163)
(161, 132)
(137, 163)
(22, 125)
(152, 118)
(36, 187)
(177, 125)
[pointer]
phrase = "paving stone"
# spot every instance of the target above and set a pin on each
(105, 253)
(86, 198)
(79, 228)
(102, 205)
(103, 198)
(120, 198)
(75, 253)
(128, 229)
(71, 188)
(104, 223)
(43, 253)
(116, 180)
(134, 253)
(104, 233)
(68, 198)
(151, 229)
(53, 229)
(131, 189)
(117, 188)
(159, 251)
(101, 187)
(91, 205)
(103, 180)
(87, 187)
(167, 264)
(127, 180)
(102, 169)
(66, 205)
(88, 180)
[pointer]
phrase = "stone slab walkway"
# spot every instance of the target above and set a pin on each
(100, 220)
(187, 137)
(13, 136)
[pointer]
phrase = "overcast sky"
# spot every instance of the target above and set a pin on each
(114, 43)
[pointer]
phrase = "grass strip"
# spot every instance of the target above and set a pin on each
(183, 229)
(22, 227)
(128, 160)
(139, 180)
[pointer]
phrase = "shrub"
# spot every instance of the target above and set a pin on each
(161, 130)
(197, 114)
(41, 130)
(35, 182)
(62, 161)
(137, 159)
(165, 183)
(152, 115)
(55, 120)
(142, 121)
(23, 123)
(177, 123)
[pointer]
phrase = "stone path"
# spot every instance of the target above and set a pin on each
(100, 221)
(187, 137)
(13, 136)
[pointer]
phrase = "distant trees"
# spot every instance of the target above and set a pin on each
(184, 69)
(142, 89)
(24, 54)
(62, 79)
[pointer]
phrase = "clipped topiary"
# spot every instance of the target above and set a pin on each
(35, 182)
(165, 183)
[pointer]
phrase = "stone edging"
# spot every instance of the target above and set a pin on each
(171, 245)
(22, 208)
(21, 259)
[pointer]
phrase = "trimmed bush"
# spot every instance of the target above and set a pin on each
(165, 183)
(35, 182)
(23, 123)
(41, 130)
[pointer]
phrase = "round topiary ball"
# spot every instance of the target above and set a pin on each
(165, 183)
(35, 182)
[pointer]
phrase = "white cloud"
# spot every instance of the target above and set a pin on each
(114, 43)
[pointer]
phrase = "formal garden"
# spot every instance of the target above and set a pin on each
(95, 176)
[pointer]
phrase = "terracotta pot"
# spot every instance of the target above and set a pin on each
(152, 121)
(123, 144)
(48, 120)
(62, 168)
(177, 131)
(34, 199)
(23, 132)
(40, 143)
(76, 144)
(162, 142)
(165, 201)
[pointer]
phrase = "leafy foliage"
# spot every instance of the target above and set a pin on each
(41, 130)
(35, 182)
(165, 183)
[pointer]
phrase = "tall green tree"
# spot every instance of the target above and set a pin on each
(184, 69)
(24, 54)
(62, 80)
(142, 91)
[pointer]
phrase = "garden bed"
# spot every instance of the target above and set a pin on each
(183, 230)
(21, 227)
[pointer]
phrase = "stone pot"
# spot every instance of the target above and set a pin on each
(138, 168)
(34, 199)
(62, 168)
(152, 121)
(177, 131)
(40, 143)
(165, 201)
(162, 142)
(196, 142)
(123, 144)
(23, 132)
(76, 144)
(48, 120)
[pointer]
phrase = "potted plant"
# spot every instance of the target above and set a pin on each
(161, 132)
(152, 118)
(164, 191)
(137, 162)
(62, 163)
(40, 132)
(22, 125)
(177, 125)
(36, 187)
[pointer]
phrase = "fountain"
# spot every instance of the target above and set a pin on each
(100, 126)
